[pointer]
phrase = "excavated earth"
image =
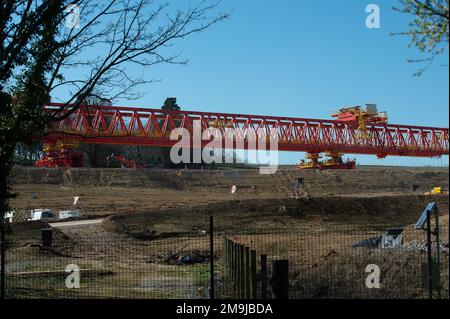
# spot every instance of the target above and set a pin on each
(151, 217)
(165, 202)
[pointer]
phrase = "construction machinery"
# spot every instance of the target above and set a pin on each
(125, 163)
(65, 214)
(357, 117)
(334, 161)
(41, 214)
(361, 116)
(354, 130)
(61, 154)
(311, 162)
(9, 216)
(438, 191)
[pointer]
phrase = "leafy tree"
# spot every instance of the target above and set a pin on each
(171, 104)
(39, 51)
(428, 31)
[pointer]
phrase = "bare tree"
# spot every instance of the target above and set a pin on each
(138, 36)
(46, 53)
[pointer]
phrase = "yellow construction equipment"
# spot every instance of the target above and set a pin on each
(333, 162)
(437, 191)
(362, 117)
(312, 163)
(356, 117)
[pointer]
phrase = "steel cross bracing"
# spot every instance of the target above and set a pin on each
(152, 127)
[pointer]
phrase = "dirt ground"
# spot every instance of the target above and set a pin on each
(155, 218)
(111, 191)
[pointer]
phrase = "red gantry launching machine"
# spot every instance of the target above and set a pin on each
(355, 130)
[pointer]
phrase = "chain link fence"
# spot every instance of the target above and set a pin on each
(324, 261)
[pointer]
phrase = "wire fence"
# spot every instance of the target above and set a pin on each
(323, 262)
(336, 262)
(108, 268)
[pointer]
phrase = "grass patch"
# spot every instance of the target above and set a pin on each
(200, 275)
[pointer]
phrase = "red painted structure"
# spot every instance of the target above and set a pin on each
(152, 127)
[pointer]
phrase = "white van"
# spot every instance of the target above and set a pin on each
(42, 214)
(64, 214)
(9, 216)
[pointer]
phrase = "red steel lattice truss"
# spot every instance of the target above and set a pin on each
(152, 127)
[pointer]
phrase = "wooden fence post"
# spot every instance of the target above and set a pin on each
(280, 279)
(233, 258)
(238, 265)
(47, 237)
(247, 273)
(236, 269)
(263, 277)
(211, 258)
(2, 257)
(253, 274)
(224, 254)
(229, 257)
(241, 272)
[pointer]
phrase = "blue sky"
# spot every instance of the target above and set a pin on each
(305, 59)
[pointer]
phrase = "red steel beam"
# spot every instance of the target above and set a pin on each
(152, 127)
